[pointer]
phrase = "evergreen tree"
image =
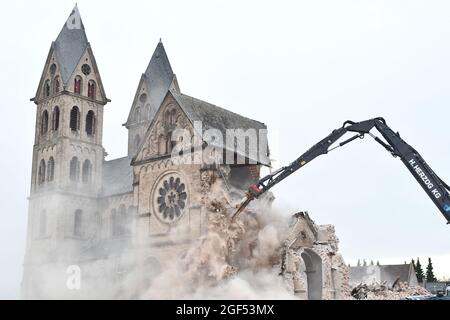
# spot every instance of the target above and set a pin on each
(371, 262)
(378, 263)
(364, 262)
(430, 273)
(414, 264)
(359, 263)
(419, 271)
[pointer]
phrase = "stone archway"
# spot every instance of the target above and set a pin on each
(313, 264)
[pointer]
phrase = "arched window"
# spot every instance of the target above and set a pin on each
(77, 85)
(97, 220)
(148, 111)
(50, 169)
(137, 115)
(42, 224)
(137, 141)
(123, 221)
(173, 116)
(41, 172)
(75, 119)
(44, 122)
(47, 89)
(90, 123)
(78, 223)
(91, 89)
(170, 116)
(162, 145)
(74, 169)
(129, 220)
(56, 84)
(87, 171)
(55, 119)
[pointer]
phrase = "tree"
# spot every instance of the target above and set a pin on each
(430, 273)
(359, 263)
(364, 262)
(371, 262)
(419, 271)
(378, 263)
(414, 264)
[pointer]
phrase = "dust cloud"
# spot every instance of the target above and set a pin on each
(233, 260)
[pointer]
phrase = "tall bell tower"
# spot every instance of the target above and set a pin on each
(68, 155)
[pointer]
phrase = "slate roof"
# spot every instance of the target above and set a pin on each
(158, 76)
(117, 176)
(214, 117)
(389, 273)
(70, 45)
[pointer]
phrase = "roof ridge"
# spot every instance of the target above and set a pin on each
(218, 107)
(121, 158)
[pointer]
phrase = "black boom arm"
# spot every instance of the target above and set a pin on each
(435, 188)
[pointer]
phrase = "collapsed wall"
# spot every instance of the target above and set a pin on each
(261, 255)
(311, 261)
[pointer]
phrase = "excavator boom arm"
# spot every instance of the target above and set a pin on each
(435, 188)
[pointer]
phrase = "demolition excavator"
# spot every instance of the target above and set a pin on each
(434, 186)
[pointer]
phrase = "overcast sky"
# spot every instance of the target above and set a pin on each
(301, 67)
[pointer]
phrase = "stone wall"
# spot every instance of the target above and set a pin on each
(311, 263)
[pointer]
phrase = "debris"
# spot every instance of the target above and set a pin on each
(380, 291)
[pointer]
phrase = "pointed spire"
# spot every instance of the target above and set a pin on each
(70, 44)
(159, 64)
(158, 76)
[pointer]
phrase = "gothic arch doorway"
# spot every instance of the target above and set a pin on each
(313, 264)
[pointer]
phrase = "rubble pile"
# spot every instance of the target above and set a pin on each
(259, 255)
(381, 291)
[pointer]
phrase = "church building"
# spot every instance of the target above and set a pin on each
(109, 220)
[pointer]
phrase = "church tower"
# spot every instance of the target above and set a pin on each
(67, 158)
(152, 88)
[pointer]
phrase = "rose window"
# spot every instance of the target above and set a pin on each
(171, 197)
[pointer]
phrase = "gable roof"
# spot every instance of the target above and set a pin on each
(214, 117)
(70, 45)
(117, 176)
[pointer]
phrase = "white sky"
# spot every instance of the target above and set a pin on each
(302, 67)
